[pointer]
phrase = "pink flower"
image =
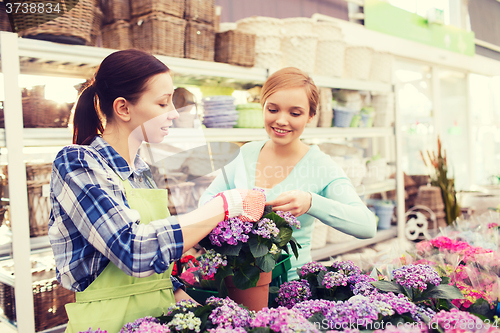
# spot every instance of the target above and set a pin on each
(188, 276)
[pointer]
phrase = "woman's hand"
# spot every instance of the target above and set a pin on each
(296, 202)
(248, 205)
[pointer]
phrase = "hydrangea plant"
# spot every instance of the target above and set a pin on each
(243, 250)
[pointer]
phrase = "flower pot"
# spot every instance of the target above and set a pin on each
(254, 298)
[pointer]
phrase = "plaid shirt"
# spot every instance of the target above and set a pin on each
(92, 224)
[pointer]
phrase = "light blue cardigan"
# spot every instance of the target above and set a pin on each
(334, 199)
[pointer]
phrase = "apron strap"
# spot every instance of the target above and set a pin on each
(123, 291)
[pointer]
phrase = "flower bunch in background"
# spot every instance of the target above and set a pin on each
(281, 320)
(293, 292)
(243, 250)
(145, 325)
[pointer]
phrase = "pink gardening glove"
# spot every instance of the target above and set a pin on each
(248, 205)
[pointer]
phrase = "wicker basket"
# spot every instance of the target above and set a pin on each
(49, 299)
(74, 27)
(199, 41)
(39, 112)
(159, 33)
(235, 47)
(200, 11)
(328, 31)
(330, 58)
(115, 10)
(357, 62)
(117, 35)
(297, 26)
(38, 180)
(180, 198)
(268, 60)
(299, 51)
(267, 42)
(381, 68)
(4, 19)
(325, 111)
(171, 7)
(259, 24)
(384, 110)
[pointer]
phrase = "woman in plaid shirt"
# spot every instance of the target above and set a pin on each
(111, 233)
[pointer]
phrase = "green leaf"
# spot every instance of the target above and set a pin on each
(266, 263)
(246, 277)
(293, 245)
(317, 320)
(284, 236)
(388, 286)
(320, 277)
(295, 241)
(274, 290)
(257, 247)
(222, 272)
(442, 291)
(445, 280)
(408, 292)
(230, 250)
(481, 308)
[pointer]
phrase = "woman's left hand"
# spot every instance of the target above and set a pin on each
(296, 202)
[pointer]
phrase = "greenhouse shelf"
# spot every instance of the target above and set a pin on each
(46, 137)
(335, 249)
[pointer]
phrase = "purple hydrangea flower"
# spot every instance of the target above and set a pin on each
(228, 314)
(133, 327)
(310, 307)
(210, 261)
(96, 331)
(227, 330)
(289, 218)
(311, 267)
(361, 285)
(282, 320)
(334, 279)
(347, 267)
(357, 310)
(230, 232)
(416, 276)
(293, 292)
(266, 228)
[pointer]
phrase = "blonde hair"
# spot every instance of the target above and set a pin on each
(291, 77)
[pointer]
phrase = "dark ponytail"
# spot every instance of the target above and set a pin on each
(121, 74)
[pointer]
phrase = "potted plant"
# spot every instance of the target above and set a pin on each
(240, 254)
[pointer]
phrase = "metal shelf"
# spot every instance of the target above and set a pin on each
(48, 137)
(335, 249)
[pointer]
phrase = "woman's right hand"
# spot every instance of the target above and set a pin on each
(246, 204)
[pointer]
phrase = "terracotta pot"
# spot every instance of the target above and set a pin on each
(254, 298)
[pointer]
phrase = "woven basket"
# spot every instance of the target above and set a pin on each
(260, 24)
(384, 110)
(115, 10)
(267, 42)
(4, 19)
(180, 198)
(235, 47)
(117, 35)
(381, 68)
(200, 11)
(328, 31)
(39, 112)
(299, 51)
(330, 58)
(297, 26)
(159, 34)
(74, 27)
(171, 7)
(357, 62)
(95, 32)
(38, 180)
(325, 111)
(268, 59)
(49, 299)
(199, 41)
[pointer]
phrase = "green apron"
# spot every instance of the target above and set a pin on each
(115, 298)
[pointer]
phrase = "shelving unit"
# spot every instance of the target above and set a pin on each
(45, 58)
